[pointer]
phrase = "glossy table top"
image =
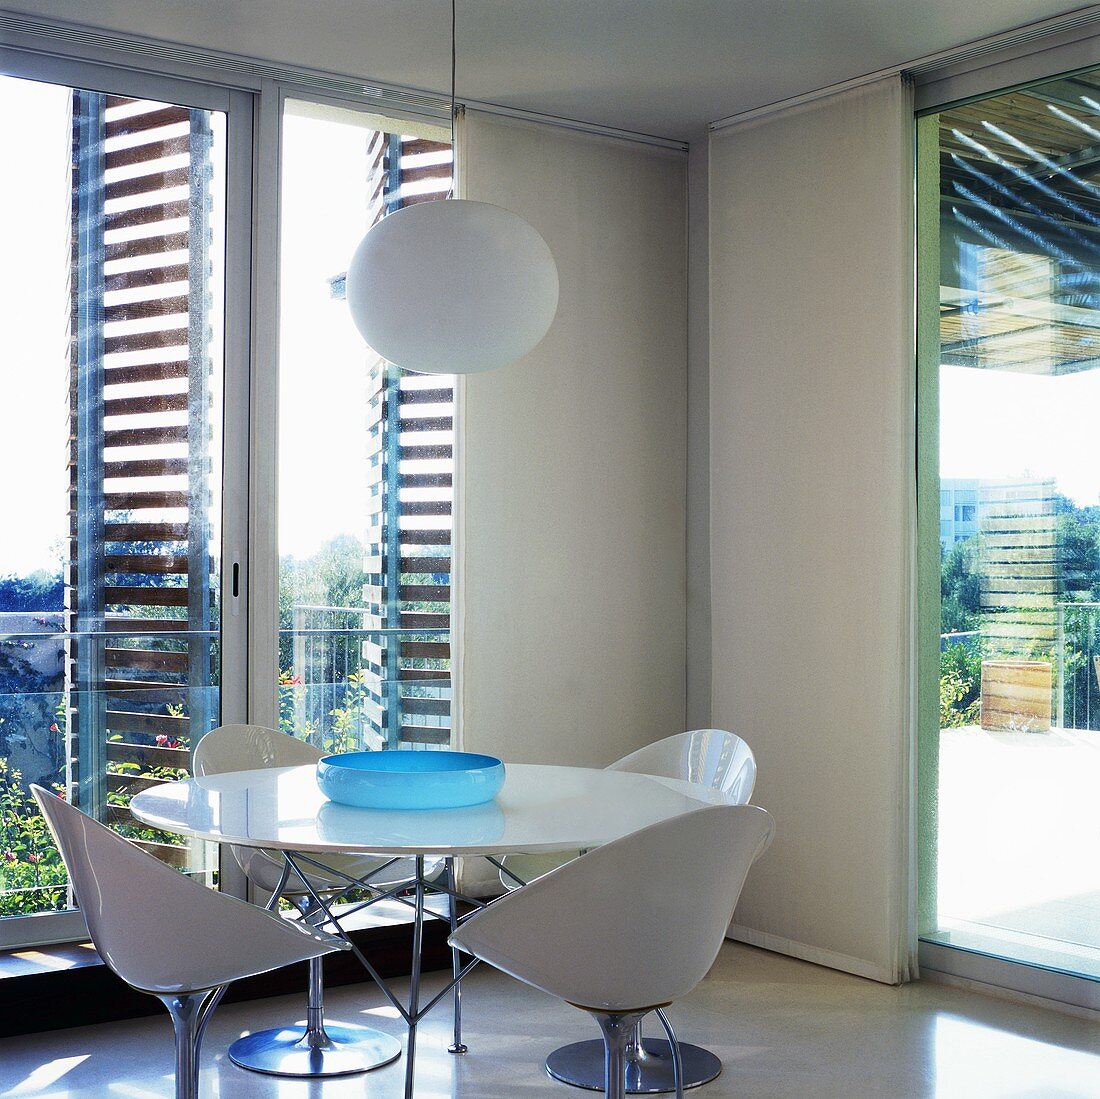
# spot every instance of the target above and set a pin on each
(539, 808)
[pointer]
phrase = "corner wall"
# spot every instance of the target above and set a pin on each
(812, 512)
(698, 440)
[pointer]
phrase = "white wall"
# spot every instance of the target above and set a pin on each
(574, 461)
(811, 398)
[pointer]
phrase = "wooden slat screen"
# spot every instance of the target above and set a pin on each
(1020, 566)
(412, 460)
(140, 428)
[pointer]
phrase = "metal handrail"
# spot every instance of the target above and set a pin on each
(183, 635)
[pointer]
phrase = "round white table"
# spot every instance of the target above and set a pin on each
(539, 808)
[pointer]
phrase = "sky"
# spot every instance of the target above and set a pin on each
(324, 476)
(995, 424)
(323, 362)
(34, 240)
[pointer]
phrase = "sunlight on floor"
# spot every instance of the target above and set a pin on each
(44, 1076)
(974, 1061)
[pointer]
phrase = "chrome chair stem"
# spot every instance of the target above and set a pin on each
(617, 1029)
(188, 1024)
(653, 1065)
(635, 1050)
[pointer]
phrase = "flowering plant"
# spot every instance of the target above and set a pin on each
(32, 875)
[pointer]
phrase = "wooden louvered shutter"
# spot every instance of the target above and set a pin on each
(140, 561)
(412, 459)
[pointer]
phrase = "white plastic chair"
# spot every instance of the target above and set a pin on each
(128, 898)
(320, 1048)
(630, 926)
(713, 758)
(717, 760)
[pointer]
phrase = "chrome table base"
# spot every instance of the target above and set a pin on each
(318, 1048)
(321, 914)
(337, 1050)
(648, 1069)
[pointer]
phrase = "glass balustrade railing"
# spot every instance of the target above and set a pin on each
(100, 744)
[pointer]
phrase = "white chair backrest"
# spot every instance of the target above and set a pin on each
(156, 928)
(633, 924)
(248, 748)
(711, 757)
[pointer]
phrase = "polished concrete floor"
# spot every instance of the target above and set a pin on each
(784, 1029)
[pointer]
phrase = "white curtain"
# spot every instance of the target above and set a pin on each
(573, 462)
(812, 515)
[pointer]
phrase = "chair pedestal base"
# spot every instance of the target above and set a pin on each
(295, 1051)
(581, 1065)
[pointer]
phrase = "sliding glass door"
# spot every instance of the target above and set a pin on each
(113, 307)
(1010, 247)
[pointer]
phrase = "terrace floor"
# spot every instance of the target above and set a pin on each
(1019, 845)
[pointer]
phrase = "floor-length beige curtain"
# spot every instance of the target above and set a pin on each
(571, 622)
(812, 514)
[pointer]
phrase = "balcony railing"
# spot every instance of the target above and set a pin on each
(100, 743)
(1077, 666)
(1076, 660)
(337, 695)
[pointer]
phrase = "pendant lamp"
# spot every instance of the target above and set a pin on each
(452, 286)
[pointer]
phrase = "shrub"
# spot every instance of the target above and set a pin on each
(960, 686)
(32, 875)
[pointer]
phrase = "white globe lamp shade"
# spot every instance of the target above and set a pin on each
(452, 287)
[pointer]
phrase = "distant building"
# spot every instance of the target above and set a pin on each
(958, 509)
(965, 502)
(1020, 565)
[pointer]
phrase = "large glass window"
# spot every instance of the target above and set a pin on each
(125, 303)
(365, 454)
(112, 213)
(1018, 251)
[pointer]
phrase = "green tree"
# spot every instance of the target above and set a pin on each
(32, 876)
(1079, 553)
(38, 591)
(960, 587)
(332, 577)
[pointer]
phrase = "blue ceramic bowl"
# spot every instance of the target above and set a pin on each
(410, 780)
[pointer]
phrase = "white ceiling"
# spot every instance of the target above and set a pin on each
(664, 67)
